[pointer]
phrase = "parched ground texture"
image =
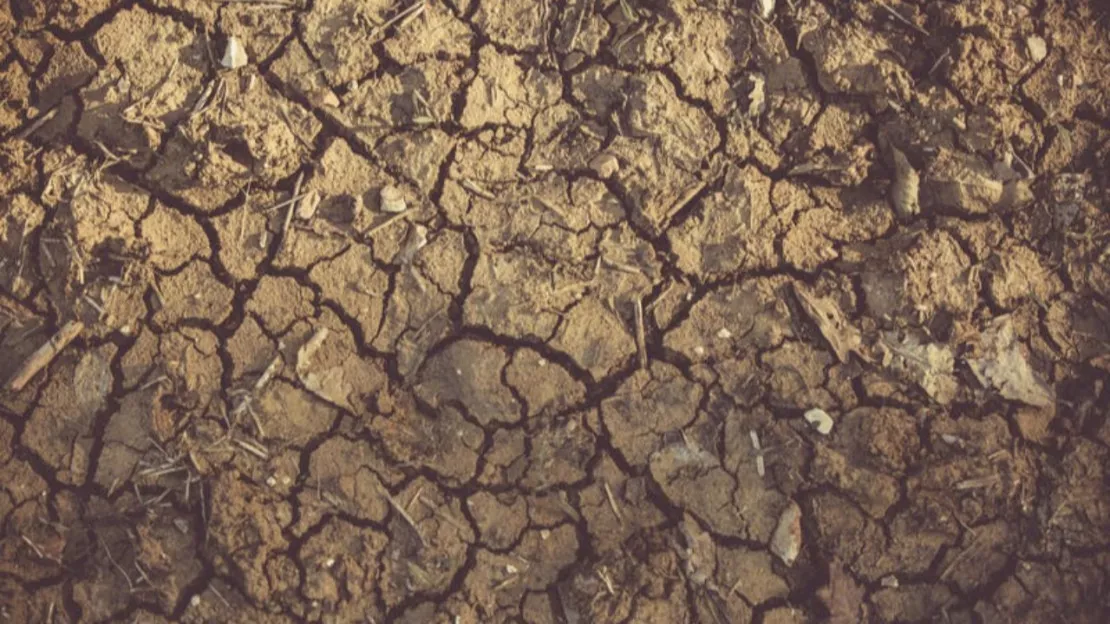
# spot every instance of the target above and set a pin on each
(650, 250)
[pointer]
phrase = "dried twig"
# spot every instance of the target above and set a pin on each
(613, 503)
(404, 14)
(292, 209)
(45, 354)
(898, 16)
(960, 557)
(38, 123)
(385, 224)
(641, 341)
(404, 514)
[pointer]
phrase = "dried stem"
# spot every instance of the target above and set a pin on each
(45, 354)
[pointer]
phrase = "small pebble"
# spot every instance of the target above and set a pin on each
(786, 542)
(234, 55)
(605, 165)
(724, 333)
(1037, 47)
(325, 97)
(306, 208)
(889, 581)
(392, 200)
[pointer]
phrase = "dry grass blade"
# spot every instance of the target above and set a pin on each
(290, 211)
(641, 341)
(405, 515)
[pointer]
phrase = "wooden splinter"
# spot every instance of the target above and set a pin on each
(45, 354)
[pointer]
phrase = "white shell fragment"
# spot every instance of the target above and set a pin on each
(820, 420)
(786, 542)
(392, 200)
(306, 208)
(605, 165)
(765, 8)
(234, 55)
(1037, 48)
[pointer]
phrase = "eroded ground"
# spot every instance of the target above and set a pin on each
(573, 380)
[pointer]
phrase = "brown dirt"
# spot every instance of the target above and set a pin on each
(572, 381)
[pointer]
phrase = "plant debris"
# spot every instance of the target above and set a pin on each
(823, 311)
(999, 362)
(930, 365)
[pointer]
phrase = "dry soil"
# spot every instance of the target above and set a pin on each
(650, 251)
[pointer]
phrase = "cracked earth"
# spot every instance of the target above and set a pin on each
(587, 311)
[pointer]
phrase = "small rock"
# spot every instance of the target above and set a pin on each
(605, 165)
(325, 97)
(889, 581)
(1037, 48)
(820, 420)
(724, 333)
(306, 208)
(234, 55)
(904, 193)
(392, 200)
(786, 542)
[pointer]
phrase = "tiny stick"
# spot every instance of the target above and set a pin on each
(45, 354)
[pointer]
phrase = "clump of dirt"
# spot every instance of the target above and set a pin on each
(613, 311)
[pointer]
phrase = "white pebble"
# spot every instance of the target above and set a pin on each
(1037, 48)
(820, 420)
(392, 200)
(786, 542)
(306, 208)
(724, 333)
(234, 55)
